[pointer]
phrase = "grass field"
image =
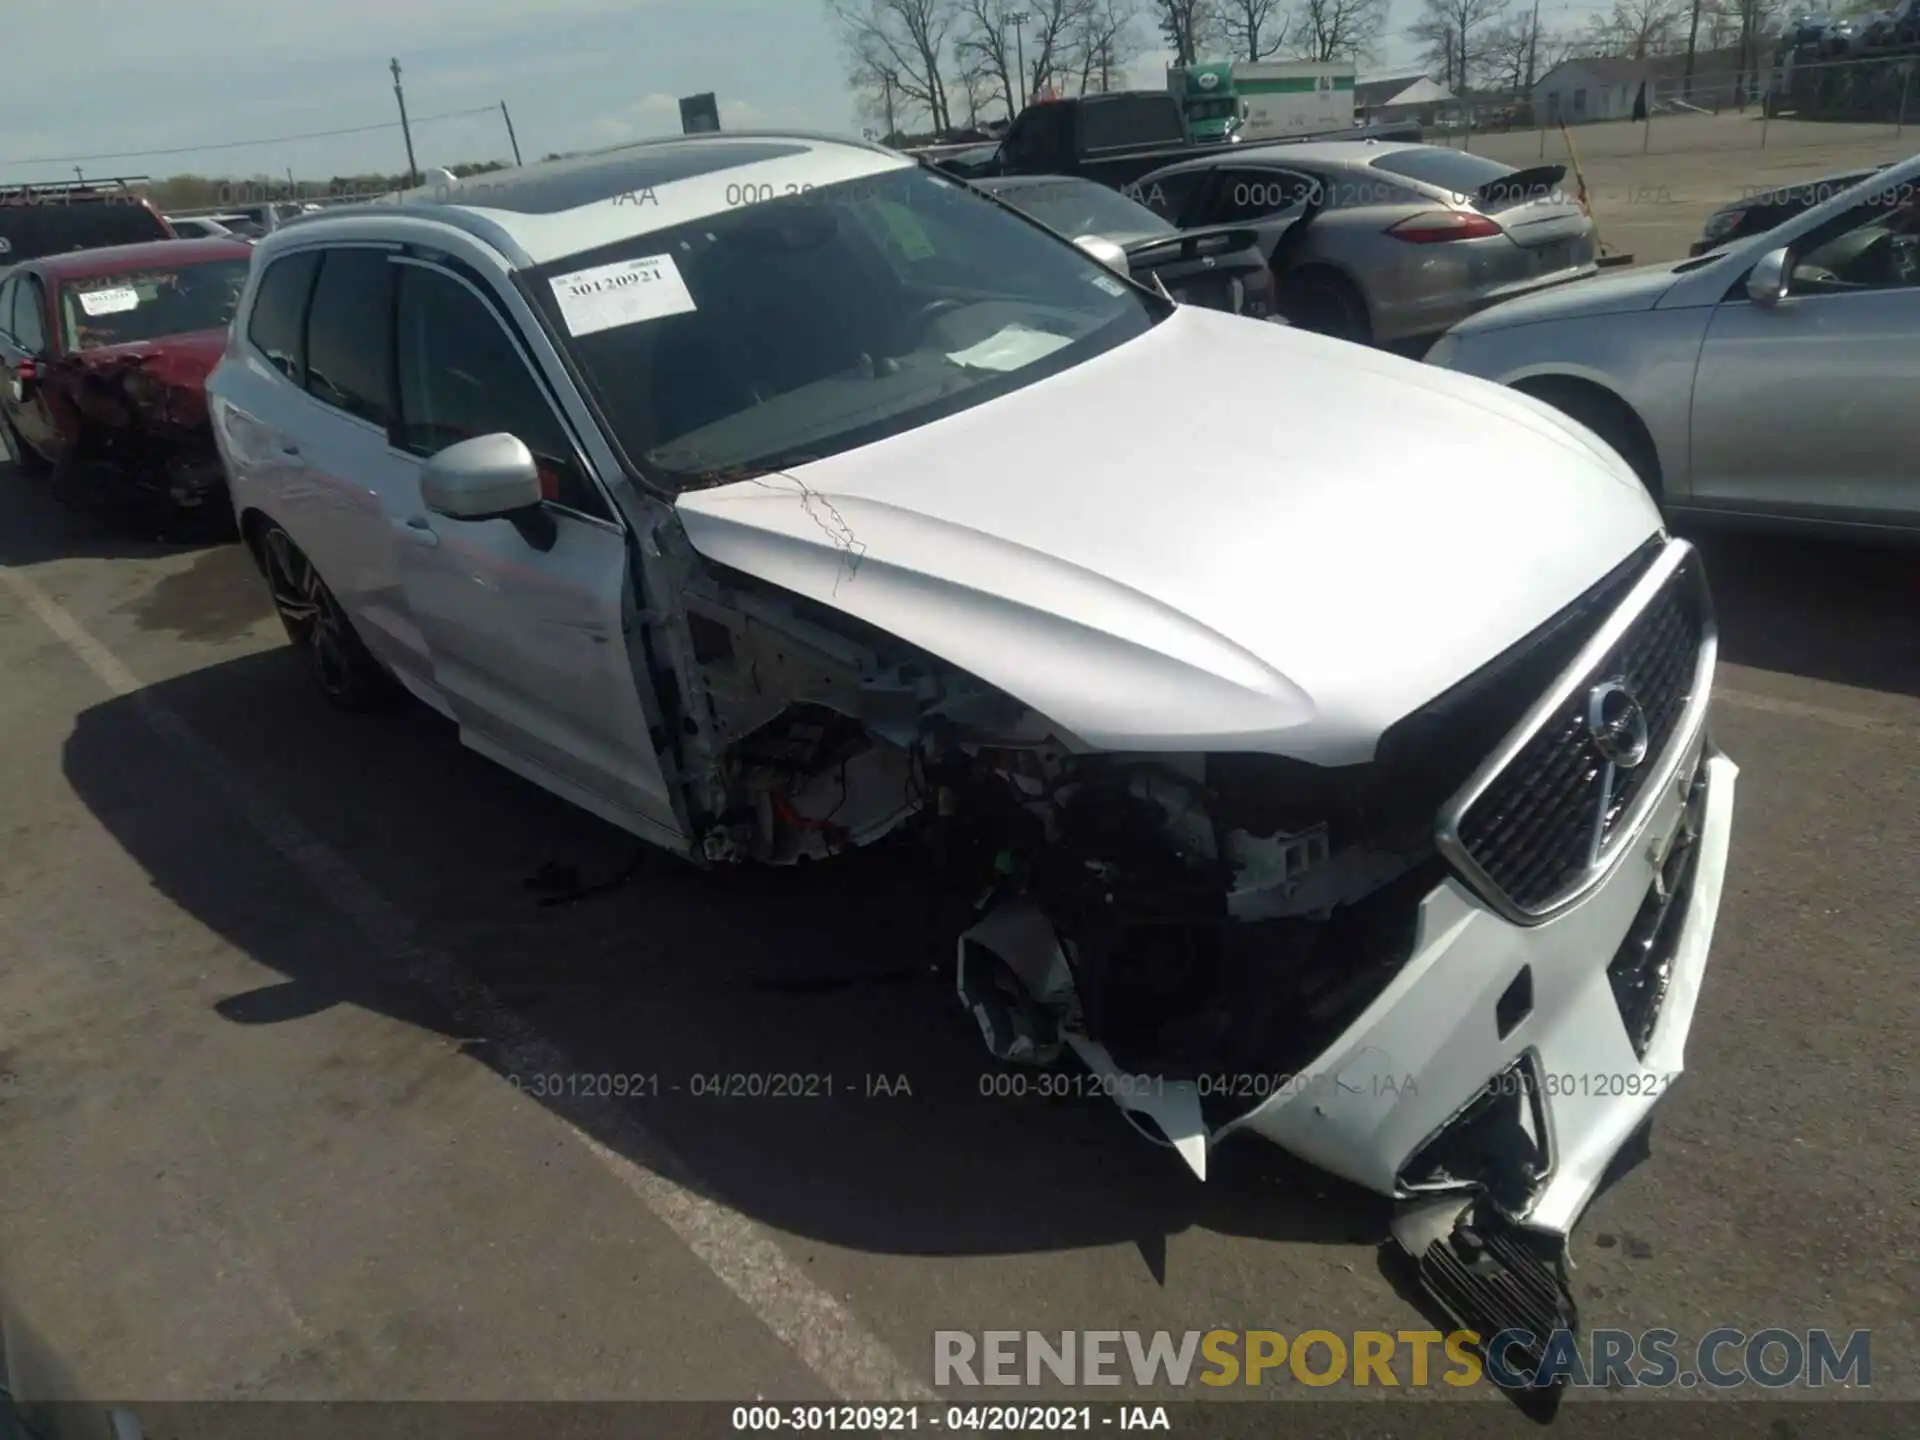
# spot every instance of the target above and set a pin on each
(1652, 188)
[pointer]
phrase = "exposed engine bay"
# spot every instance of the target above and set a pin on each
(1213, 916)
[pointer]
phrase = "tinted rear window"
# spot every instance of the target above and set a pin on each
(1121, 121)
(1449, 169)
(30, 231)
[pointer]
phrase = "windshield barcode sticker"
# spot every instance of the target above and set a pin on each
(1108, 284)
(110, 302)
(609, 296)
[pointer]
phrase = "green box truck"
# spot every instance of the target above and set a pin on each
(1254, 100)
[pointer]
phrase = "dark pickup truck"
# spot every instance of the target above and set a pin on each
(1117, 137)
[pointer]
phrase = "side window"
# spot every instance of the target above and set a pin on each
(7, 288)
(1021, 145)
(1873, 246)
(30, 315)
(350, 333)
(1249, 194)
(461, 375)
(279, 316)
(1171, 197)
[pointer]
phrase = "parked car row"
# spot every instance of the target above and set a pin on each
(1240, 742)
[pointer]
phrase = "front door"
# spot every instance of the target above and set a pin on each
(1806, 406)
(535, 650)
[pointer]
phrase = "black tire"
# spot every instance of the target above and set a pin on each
(1325, 303)
(336, 657)
(1610, 419)
(29, 462)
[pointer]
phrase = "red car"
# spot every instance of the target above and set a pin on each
(104, 356)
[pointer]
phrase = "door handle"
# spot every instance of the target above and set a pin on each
(420, 530)
(287, 447)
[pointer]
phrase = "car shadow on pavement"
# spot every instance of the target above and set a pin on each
(39, 527)
(1840, 612)
(838, 975)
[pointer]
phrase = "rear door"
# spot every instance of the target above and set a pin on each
(358, 486)
(533, 649)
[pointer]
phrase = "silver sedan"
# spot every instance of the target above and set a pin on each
(1775, 382)
(1384, 243)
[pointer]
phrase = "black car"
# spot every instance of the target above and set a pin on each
(1759, 212)
(37, 220)
(1222, 267)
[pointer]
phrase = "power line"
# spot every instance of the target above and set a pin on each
(245, 144)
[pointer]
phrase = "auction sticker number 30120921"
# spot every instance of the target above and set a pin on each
(624, 293)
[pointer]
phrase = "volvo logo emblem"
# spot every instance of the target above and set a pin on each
(1616, 725)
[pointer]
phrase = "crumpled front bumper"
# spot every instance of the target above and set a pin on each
(1432, 1043)
(1439, 1036)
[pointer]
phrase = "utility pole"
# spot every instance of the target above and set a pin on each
(511, 138)
(1533, 48)
(1693, 35)
(888, 79)
(78, 176)
(413, 172)
(1018, 22)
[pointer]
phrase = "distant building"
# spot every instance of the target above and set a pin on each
(1408, 95)
(1603, 87)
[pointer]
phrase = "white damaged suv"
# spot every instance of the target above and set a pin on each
(767, 495)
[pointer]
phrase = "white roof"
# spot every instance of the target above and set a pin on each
(564, 207)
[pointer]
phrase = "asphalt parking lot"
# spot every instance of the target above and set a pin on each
(280, 994)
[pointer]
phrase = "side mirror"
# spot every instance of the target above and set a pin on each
(1767, 281)
(1106, 252)
(26, 377)
(484, 478)
(490, 477)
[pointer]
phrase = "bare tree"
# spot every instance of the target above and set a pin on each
(1510, 48)
(1255, 28)
(1105, 42)
(1719, 25)
(1053, 24)
(984, 51)
(896, 50)
(1638, 28)
(1454, 36)
(1186, 25)
(1338, 29)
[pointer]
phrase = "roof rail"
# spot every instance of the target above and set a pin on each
(70, 188)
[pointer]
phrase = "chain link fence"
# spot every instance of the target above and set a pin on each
(1810, 102)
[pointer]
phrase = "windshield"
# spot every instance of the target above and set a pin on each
(150, 304)
(1079, 207)
(1200, 111)
(1449, 169)
(793, 329)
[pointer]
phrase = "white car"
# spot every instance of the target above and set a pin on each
(766, 495)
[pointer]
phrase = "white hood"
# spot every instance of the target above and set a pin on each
(1222, 535)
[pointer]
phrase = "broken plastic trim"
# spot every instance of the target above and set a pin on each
(1492, 1277)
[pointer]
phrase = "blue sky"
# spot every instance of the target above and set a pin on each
(89, 77)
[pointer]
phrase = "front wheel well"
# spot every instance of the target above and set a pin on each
(254, 525)
(1607, 415)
